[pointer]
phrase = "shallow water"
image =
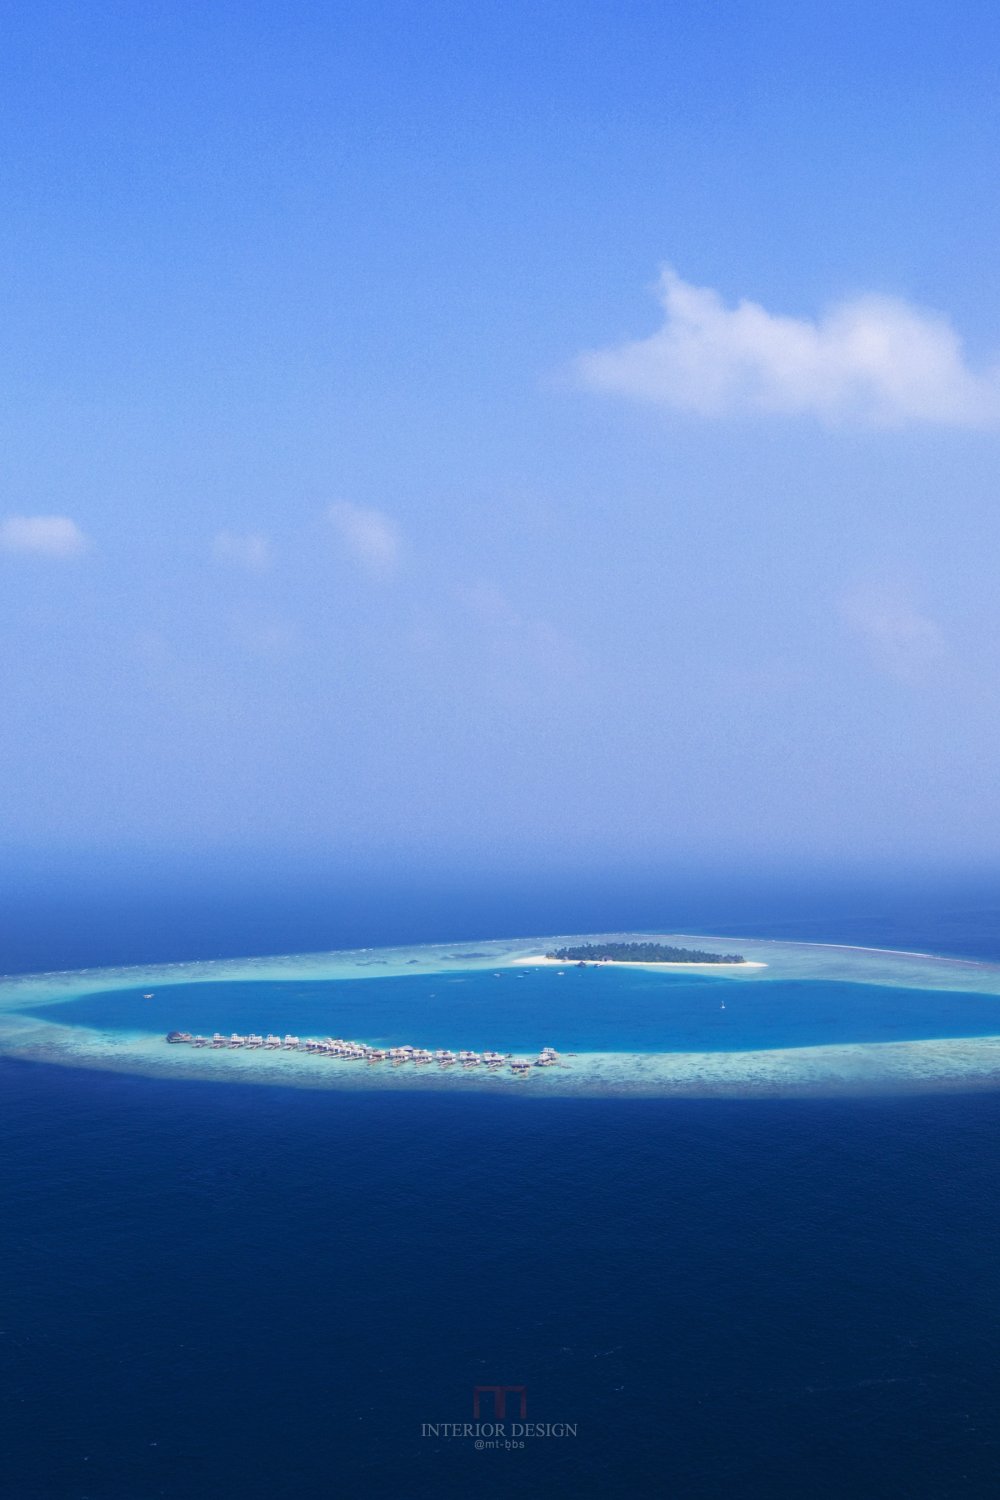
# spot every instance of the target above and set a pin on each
(797, 1016)
(577, 1010)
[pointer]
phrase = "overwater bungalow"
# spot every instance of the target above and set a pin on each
(337, 1047)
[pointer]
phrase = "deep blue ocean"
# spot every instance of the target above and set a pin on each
(213, 1290)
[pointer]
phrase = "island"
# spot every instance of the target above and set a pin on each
(640, 953)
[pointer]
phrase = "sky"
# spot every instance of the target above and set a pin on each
(500, 436)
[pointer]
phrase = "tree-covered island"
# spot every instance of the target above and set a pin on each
(641, 953)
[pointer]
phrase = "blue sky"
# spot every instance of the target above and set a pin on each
(501, 434)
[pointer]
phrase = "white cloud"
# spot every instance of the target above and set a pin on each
(370, 537)
(46, 536)
(271, 639)
(871, 360)
(902, 641)
(523, 642)
(248, 550)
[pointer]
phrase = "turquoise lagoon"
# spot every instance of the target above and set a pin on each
(813, 1018)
